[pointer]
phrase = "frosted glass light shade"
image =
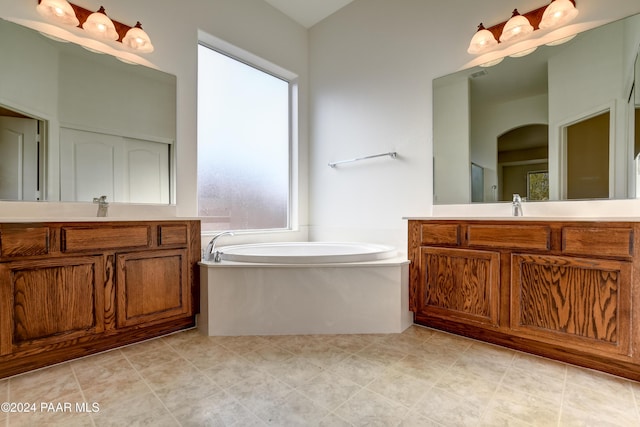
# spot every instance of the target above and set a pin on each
(100, 26)
(59, 11)
(137, 39)
(482, 41)
(516, 27)
(559, 12)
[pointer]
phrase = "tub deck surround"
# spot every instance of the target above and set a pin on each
(304, 297)
(69, 289)
(565, 289)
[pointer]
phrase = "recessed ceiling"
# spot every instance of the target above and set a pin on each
(308, 12)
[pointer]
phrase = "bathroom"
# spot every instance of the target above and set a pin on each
(366, 77)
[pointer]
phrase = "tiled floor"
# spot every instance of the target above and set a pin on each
(419, 378)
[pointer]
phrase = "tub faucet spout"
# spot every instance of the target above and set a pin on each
(210, 253)
(103, 205)
(516, 206)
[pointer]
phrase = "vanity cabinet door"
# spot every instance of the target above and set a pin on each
(45, 302)
(582, 303)
(459, 284)
(152, 286)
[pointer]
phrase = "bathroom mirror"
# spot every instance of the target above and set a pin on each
(76, 124)
(526, 122)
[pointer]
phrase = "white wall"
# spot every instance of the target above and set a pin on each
(372, 64)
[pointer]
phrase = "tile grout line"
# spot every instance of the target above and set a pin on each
(84, 398)
(564, 392)
(178, 423)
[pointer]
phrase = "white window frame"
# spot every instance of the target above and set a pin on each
(226, 48)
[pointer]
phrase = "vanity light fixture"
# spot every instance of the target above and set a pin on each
(99, 25)
(558, 13)
(59, 11)
(482, 40)
(519, 26)
(137, 39)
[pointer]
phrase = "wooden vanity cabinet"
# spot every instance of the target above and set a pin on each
(565, 290)
(73, 289)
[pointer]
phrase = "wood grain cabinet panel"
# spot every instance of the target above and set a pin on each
(617, 242)
(76, 239)
(583, 302)
(460, 283)
(440, 234)
(24, 241)
(510, 236)
(49, 301)
(152, 286)
(172, 235)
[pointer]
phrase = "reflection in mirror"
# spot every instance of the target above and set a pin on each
(75, 124)
(513, 121)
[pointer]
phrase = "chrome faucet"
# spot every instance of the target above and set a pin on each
(103, 205)
(516, 206)
(210, 253)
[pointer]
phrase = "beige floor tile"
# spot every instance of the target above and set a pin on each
(259, 392)
(216, 409)
(143, 409)
(151, 359)
(414, 419)
(571, 417)
(367, 408)
(332, 420)
(404, 389)
(323, 357)
(533, 382)
(206, 355)
(230, 372)
(451, 409)
(422, 368)
(171, 375)
(294, 410)
(382, 352)
(44, 385)
(521, 407)
(293, 371)
(421, 377)
(598, 400)
(267, 355)
(156, 345)
(352, 343)
(242, 344)
(104, 370)
(329, 390)
(358, 369)
(176, 398)
(473, 389)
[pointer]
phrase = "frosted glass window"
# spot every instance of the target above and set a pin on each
(243, 145)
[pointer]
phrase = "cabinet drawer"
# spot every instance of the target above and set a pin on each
(510, 236)
(24, 241)
(440, 234)
(598, 241)
(172, 235)
(91, 238)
